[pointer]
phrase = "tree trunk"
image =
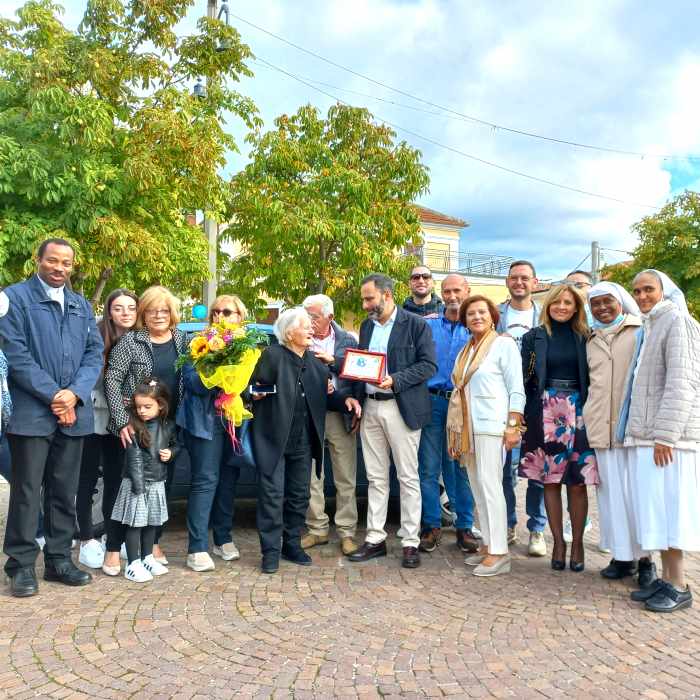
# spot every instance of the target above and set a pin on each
(101, 283)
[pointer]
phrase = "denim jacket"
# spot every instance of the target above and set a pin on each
(48, 350)
(196, 413)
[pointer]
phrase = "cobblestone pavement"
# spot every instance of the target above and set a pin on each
(341, 630)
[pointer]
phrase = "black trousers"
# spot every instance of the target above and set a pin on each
(54, 462)
(283, 496)
(105, 450)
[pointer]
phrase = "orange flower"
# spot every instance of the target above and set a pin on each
(216, 343)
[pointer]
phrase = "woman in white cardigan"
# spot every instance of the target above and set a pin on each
(484, 419)
(661, 425)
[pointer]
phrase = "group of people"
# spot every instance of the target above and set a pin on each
(595, 388)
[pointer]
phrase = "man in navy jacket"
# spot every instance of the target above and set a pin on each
(394, 413)
(55, 355)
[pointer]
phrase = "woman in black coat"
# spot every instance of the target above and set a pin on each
(287, 432)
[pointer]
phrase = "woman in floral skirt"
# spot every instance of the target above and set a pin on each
(555, 449)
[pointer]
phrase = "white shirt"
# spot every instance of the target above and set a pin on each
(54, 293)
(518, 323)
(379, 342)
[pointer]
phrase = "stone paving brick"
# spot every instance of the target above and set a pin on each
(347, 631)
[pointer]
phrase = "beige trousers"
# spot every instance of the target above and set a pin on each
(384, 433)
(343, 450)
(486, 480)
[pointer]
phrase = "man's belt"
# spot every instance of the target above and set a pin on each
(441, 392)
(380, 396)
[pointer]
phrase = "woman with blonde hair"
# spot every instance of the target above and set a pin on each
(213, 476)
(555, 448)
(149, 350)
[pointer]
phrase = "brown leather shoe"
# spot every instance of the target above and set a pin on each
(309, 540)
(368, 551)
(467, 541)
(430, 539)
(411, 558)
(348, 546)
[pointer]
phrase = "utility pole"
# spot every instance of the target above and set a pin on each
(211, 229)
(595, 262)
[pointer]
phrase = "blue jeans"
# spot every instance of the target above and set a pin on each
(432, 461)
(212, 489)
(534, 495)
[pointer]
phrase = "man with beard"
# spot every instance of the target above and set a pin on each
(395, 411)
(449, 337)
(517, 316)
(423, 301)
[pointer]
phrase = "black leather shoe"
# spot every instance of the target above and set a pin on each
(68, 573)
(270, 563)
(668, 599)
(643, 594)
(23, 583)
(296, 555)
(411, 558)
(368, 551)
(576, 566)
(646, 573)
(618, 569)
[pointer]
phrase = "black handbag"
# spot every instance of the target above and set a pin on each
(242, 455)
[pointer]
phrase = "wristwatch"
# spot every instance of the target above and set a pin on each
(512, 422)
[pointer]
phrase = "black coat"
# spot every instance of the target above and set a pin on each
(272, 415)
(534, 356)
(143, 464)
(410, 362)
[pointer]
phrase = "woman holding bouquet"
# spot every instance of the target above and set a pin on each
(213, 477)
(287, 433)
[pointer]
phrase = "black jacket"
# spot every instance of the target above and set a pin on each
(143, 464)
(343, 341)
(431, 308)
(272, 415)
(534, 356)
(410, 363)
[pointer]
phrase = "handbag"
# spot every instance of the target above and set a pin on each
(242, 454)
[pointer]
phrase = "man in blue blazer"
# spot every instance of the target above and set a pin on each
(394, 412)
(55, 356)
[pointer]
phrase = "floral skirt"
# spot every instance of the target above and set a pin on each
(560, 453)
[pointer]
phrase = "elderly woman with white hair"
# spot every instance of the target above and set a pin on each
(610, 349)
(660, 424)
(287, 433)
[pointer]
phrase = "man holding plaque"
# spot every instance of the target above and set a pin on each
(330, 343)
(397, 355)
(450, 336)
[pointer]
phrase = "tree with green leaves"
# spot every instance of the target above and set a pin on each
(668, 241)
(103, 143)
(322, 203)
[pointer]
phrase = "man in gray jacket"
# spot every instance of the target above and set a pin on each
(329, 344)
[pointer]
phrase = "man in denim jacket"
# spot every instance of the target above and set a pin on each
(55, 356)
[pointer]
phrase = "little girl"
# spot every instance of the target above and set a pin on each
(141, 502)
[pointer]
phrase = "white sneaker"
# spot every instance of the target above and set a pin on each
(476, 532)
(537, 547)
(122, 552)
(137, 572)
(200, 561)
(91, 554)
(227, 551)
(155, 567)
(41, 541)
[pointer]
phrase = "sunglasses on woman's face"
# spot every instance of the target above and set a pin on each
(225, 312)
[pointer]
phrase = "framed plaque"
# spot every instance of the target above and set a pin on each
(364, 366)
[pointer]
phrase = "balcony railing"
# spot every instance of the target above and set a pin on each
(467, 263)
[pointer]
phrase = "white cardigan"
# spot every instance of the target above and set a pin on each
(496, 388)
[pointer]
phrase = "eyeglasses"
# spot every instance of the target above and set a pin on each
(157, 312)
(225, 312)
(424, 275)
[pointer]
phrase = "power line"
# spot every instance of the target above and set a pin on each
(468, 117)
(491, 164)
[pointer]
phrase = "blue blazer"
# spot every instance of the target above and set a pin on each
(48, 351)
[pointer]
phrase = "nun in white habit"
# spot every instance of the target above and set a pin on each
(660, 423)
(610, 349)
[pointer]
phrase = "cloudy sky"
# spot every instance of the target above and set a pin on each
(610, 73)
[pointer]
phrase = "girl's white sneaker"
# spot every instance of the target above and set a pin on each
(137, 572)
(152, 565)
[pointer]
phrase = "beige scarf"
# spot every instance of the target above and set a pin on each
(460, 431)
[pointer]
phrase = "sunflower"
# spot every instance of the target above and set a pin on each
(199, 347)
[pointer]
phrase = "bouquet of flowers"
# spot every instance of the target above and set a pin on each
(225, 355)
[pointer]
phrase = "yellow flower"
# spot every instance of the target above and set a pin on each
(198, 347)
(238, 332)
(216, 343)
